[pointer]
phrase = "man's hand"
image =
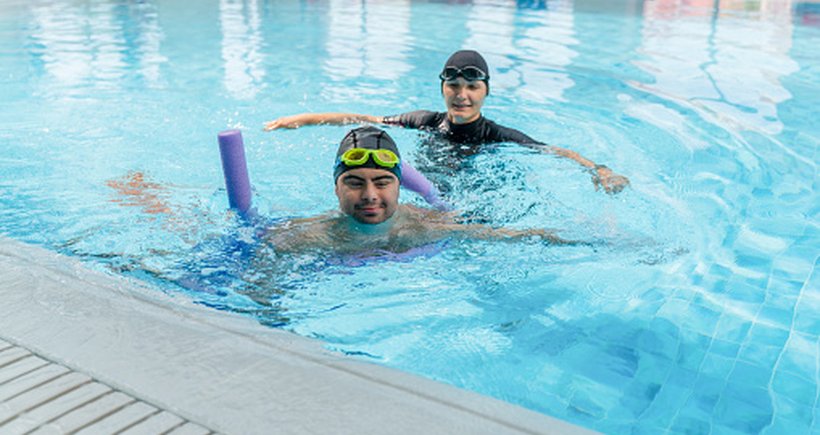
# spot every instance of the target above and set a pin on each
(611, 182)
(135, 191)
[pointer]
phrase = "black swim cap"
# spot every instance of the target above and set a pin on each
(465, 58)
(367, 137)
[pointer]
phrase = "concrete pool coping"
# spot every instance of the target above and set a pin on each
(220, 371)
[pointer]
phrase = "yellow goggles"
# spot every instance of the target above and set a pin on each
(360, 156)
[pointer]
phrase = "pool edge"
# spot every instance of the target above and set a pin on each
(221, 370)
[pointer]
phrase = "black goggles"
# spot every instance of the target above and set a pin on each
(470, 73)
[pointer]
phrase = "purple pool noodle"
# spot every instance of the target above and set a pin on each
(235, 169)
(417, 182)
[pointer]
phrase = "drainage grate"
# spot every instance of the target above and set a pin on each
(38, 396)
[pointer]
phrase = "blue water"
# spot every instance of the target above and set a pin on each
(699, 317)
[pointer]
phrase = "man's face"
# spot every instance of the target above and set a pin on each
(370, 196)
(463, 99)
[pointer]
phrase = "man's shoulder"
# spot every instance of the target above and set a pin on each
(311, 224)
(411, 211)
(422, 215)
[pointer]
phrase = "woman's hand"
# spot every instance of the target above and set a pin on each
(293, 121)
(611, 182)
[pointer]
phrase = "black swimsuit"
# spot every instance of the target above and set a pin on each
(480, 131)
(444, 156)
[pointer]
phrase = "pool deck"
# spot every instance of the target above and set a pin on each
(81, 350)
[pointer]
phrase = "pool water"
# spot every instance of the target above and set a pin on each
(698, 315)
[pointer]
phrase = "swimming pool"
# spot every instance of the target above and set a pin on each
(699, 317)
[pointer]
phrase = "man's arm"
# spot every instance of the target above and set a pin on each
(447, 224)
(301, 234)
(484, 232)
(296, 121)
(135, 191)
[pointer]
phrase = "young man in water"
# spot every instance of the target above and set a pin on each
(465, 83)
(370, 221)
(370, 225)
(367, 176)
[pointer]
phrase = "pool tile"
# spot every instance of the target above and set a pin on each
(706, 392)
(690, 357)
(794, 412)
(189, 428)
(757, 282)
(791, 266)
(647, 309)
(14, 355)
(158, 423)
(782, 425)
(638, 397)
(39, 416)
(721, 429)
(732, 328)
(760, 354)
(768, 335)
(648, 429)
(686, 293)
(720, 271)
(745, 292)
(717, 366)
(674, 310)
(695, 338)
(725, 348)
(794, 387)
(785, 284)
(747, 374)
(776, 299)
(653, 295)
(807, 317)
(779, 317)
(812, 232)
(755, 237)
(583, 404)
(742, 309)
(669, 399)
(760, 193)
(800, 357)
(660, 340)
(616, 364)
(745, 259)
(718, 287)
(743, 408)
(20, 367)
(691, 422)
(786, 226)
(701, 319)
(682, 377)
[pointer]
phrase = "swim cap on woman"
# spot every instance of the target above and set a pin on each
(367, 137)
(464, 58)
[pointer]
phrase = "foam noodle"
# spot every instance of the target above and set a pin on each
(417, 182)
(235, 169)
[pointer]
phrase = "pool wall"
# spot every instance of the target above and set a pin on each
(219, 370)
